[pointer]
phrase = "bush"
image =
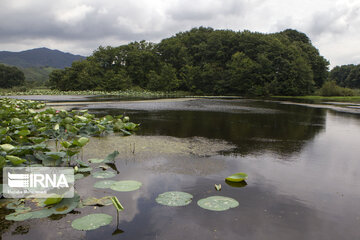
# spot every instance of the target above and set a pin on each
(330, 88)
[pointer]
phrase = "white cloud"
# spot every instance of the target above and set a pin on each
(75, 15)
(80, 26)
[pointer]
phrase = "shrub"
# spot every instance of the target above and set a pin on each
(330, 88)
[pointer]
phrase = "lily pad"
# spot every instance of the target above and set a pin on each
(91, 222)
(17, 216)
(53, 199)
(236, 184)
(104, 201)
(43, 213)
(104, 184)
(66, 205)
(96, 160)
(217, 203)
(111, 157)
(103, 174)
(78, 176)
(15, 160)
(85, 169)
(174, 199)
(22, 216)
(7, 147)
(126, 186)
(237, 177)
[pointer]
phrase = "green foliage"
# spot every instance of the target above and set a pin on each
(24, 133)
(174, 199)
(217, 203)
(10, 76)
(331, 89)
(346, 75)
(37, 76)
(237, 177)
(204, 61)
(91, 221)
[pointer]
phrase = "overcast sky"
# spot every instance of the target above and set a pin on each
(80, 26)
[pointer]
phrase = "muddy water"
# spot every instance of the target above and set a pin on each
(303, 165)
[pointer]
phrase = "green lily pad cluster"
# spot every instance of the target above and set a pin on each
(25, 131)
(213, 203)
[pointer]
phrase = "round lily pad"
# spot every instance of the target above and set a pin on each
(237, 177)
(103, 174)
(217, 203)
(174, 199)
(126, 186)
(91, 222)
(104, 184)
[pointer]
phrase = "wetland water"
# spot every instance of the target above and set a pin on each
(303, 165)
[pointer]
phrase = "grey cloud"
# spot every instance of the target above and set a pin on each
(80, 26)
(188, 10)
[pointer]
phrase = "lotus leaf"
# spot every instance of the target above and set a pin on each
(91, 222)
(217, 203)
(126, 186)
(104, 184)
(174, 199)
(237, 177)
(103, 174)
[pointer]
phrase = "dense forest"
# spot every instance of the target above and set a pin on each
(204, 61)
(10, 76)
(346, 75)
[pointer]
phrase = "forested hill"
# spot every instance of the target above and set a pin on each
(204, 61)
(39, 57)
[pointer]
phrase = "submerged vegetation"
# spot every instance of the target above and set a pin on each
(203, 61)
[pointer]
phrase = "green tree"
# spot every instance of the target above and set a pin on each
(11, 76)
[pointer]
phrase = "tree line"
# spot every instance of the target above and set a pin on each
(346, 75)
(10, 76)
(203, 61)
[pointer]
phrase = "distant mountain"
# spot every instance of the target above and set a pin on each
(39, 57)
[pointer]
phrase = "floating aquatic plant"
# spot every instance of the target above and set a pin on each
(237, 177)
(103, 174)
(91, 221)
(126, 186)
(174, 198)
(104, 184)
(92, 201)
(217, 203)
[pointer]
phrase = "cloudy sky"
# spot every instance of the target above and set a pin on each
(80, 26)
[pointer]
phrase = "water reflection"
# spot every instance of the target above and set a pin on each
(282, 128)
(303, 166)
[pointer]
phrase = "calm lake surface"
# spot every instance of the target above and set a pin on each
(303, 165)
